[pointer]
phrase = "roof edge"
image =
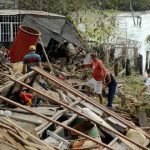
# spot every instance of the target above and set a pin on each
(24, 12)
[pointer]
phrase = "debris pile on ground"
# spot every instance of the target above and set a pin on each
(63, 117)
(14, 137)
(47, 111)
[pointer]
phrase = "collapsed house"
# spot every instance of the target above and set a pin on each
(53, 28)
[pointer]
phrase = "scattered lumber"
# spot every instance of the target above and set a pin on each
(14, 139)
(82, 96)
(65, 108)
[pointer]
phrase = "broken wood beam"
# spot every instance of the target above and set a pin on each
(29, 134)
(57, 137)
(11, 140)
(117, 124)
(20, 111)
(23, 120)
(145, 128)
(46, 56)
(86, 148)
(67, 122)
(55, 116)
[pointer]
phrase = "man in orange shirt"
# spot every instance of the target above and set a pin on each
(98, 75)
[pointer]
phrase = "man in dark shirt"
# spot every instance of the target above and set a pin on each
(31, 59)
(112, 84)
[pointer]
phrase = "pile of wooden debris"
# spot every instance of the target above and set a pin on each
(13, 137)
(66, 119)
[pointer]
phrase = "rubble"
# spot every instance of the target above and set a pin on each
(66, 119)
(41, 110)
(15, 137)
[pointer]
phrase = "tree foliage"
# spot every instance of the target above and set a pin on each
(55, 6)
(65, 6)
(125, 4)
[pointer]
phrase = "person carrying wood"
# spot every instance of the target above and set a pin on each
(147, 85)
(31, 59)
(98, 75)
(111, 83)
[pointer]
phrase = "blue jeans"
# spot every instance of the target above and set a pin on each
(111, 94)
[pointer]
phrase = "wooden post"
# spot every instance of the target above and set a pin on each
(125, 54)
(135, 58)
(140, 64)
(132, 12)
(46, 56)
(112, 53)
(106, 55)
(116, 68)
(147, 60)
(128, 67)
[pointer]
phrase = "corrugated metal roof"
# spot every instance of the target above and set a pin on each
(53, 27)
(50, 25)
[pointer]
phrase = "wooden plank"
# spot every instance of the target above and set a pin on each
(21, 119)
(94, 147)
(46, 125)
(67, 122)
(8, 137)
(57, 137)
(30, 148)
(63, 97)
(56, 116)
(95, 109)
(143, 119)
(26, 126)
(42, 110)
(25, 142)
(11, 140)
(5, 126)
(52, 120)
(8, 144)
(40, 141)
(6, 147)
(117, 124)
(38, 109)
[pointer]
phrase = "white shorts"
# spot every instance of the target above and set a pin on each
(96, 84)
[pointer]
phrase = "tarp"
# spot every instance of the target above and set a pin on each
(56, 27)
